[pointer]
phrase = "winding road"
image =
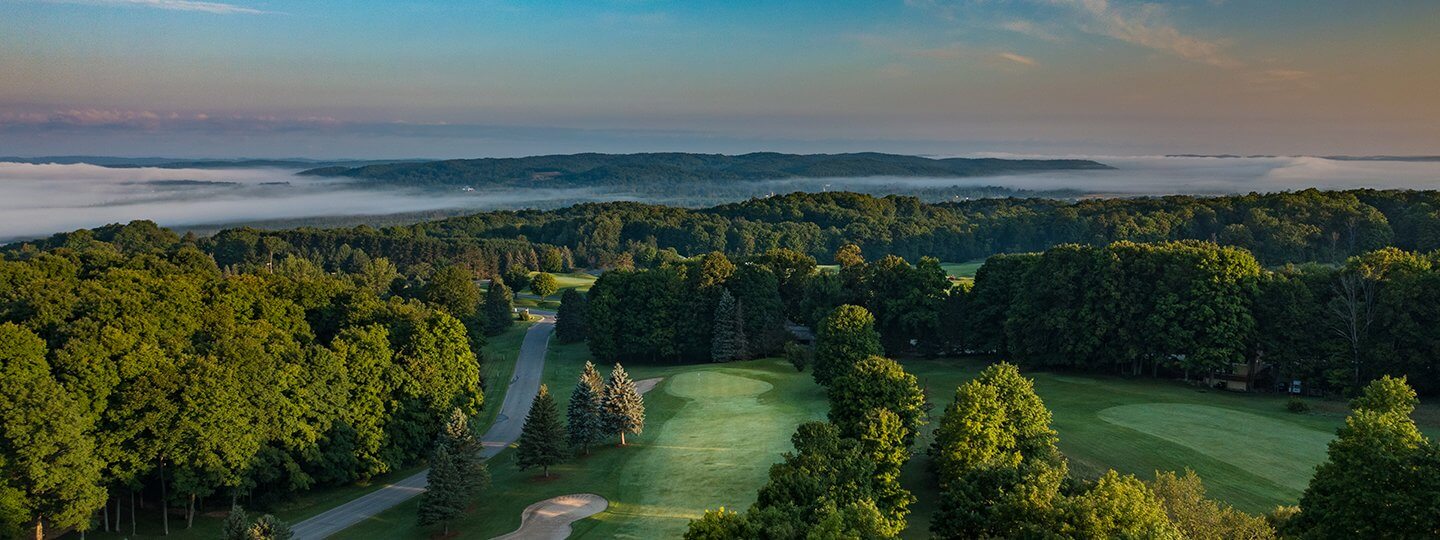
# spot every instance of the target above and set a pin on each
(506, 429)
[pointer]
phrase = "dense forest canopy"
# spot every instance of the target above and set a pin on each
(1280, 228)
(588, 170)
(155, 375)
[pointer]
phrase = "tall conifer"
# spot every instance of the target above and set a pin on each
(542, 440)
(624, 408)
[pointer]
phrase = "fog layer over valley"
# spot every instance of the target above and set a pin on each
(37, 200)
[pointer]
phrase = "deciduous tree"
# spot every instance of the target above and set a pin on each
(846, 336)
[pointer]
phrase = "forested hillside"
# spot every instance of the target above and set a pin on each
(1306, 226)
(589, 170)
(137, 371)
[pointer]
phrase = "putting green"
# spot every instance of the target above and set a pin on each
(1276, 450)
(713, 384)
(714, 452)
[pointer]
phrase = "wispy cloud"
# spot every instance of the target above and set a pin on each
(145, 120)
(1019, 59)
(1145, 25)
(1141, 24)
(172, 5)
(1029, 28)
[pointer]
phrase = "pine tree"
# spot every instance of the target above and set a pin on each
(570, 318)
(542, 440)
(444, 497)
(586, 420)
(236, 525)
(464, 449)
(499, 308)
(624, 408)
(728, 341)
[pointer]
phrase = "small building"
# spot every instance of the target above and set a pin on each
(802, 334)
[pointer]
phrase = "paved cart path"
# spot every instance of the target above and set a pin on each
(506, 429)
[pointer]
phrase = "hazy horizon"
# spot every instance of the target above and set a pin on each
(39, 200)
(330, 79)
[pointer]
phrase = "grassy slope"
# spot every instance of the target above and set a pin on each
(711, 433)
(501, 353)
(1233, 441)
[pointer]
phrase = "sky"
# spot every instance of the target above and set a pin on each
(393, 79)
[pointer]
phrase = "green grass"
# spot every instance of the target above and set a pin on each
(962, 270)
(575, 280)
(1276, 450)
(1247, 448)
(712, 431)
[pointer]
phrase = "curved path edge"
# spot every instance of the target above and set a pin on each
(550, 519)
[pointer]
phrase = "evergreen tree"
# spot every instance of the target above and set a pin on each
(499, 308)
(728, 341)
(586, 412)
(570, 318)
(624, 408)
(236, 525)
(542, 439)
(464, 448)
(444, 497)
(845, 336)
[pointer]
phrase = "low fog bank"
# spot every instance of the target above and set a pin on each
(40, 200)
(1167, 175)
(37, 200)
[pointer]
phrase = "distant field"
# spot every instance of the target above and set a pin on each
(577, 280)
(712, 432)
(1247, 448)
(963, 270)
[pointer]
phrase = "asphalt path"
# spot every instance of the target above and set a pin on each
(524, 384)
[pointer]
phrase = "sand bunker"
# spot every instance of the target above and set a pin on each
(551, 518)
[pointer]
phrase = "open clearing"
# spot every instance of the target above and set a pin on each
(711, 433)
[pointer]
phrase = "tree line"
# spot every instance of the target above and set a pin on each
(1184, 309)
(1277, 228)
(1192, 308)
(142, 378)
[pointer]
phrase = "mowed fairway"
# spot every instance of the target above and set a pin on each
(1247, 448)
(711, 433)
(715, 451)
(1279, 451)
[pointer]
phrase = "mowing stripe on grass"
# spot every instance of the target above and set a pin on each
(1278, 451)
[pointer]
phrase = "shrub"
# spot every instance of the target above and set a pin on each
(1297, 405)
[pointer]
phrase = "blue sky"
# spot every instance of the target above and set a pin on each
(320, 78)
